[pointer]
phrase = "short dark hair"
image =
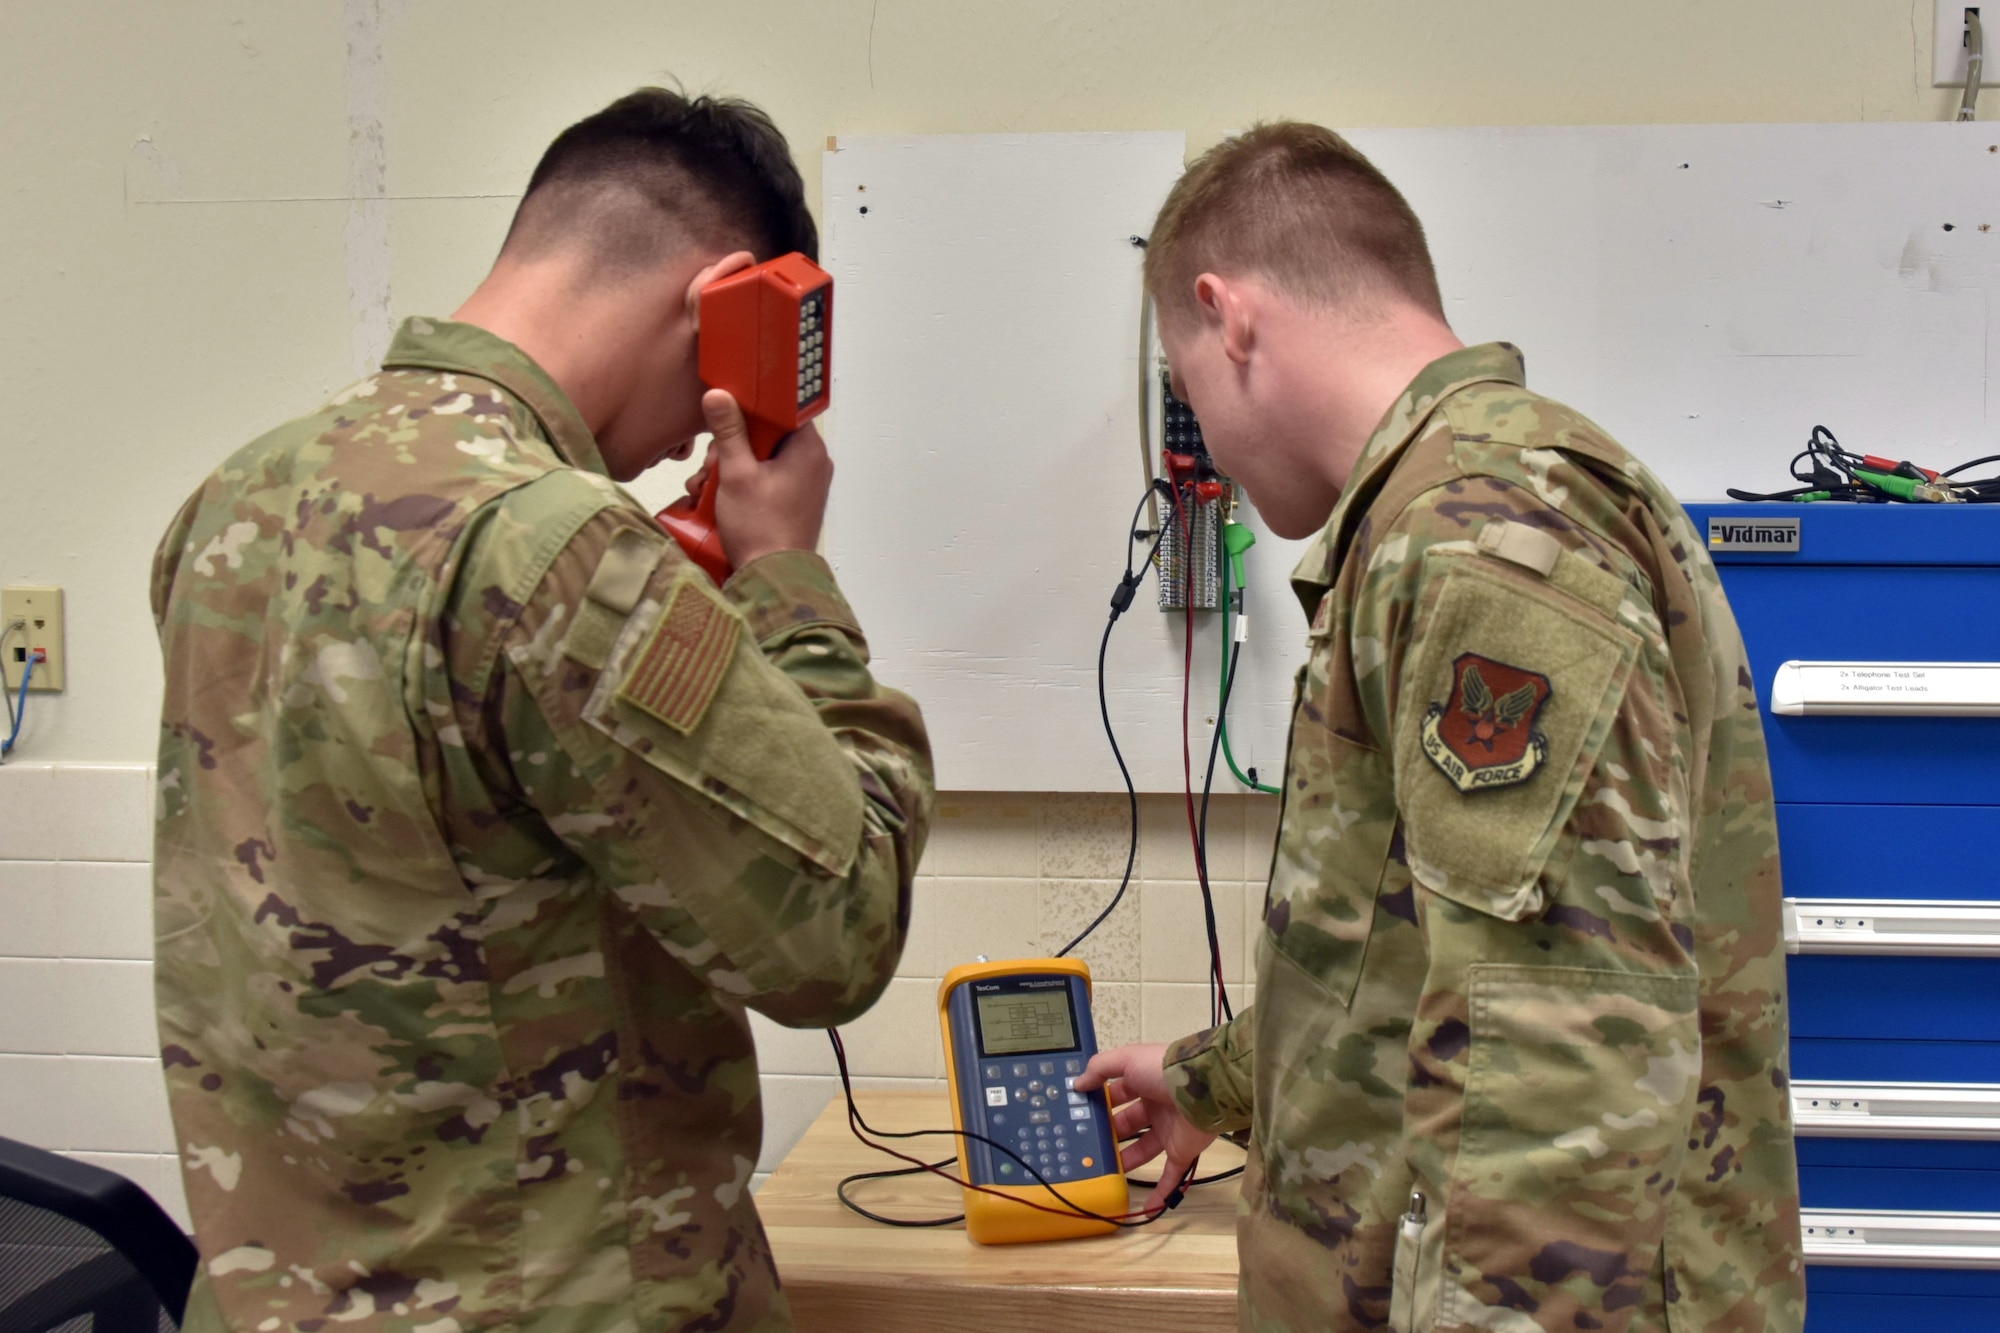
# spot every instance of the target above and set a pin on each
(656, 171)
(1298, 205)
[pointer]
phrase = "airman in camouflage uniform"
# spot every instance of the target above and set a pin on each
(1518, 1053)
(484, 819)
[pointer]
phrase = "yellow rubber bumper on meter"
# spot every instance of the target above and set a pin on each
(1001, 1217)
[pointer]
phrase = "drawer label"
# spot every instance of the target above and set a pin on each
(1753, 534)
(1942, 689)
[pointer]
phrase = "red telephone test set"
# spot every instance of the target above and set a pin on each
(766, 338)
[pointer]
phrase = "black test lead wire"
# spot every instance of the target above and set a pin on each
(1121, 600)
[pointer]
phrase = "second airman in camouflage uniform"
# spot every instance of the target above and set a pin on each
(1518, 1053)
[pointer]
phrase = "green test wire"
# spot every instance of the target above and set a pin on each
(1236, 539)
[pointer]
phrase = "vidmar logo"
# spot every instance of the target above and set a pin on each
(1753, 534)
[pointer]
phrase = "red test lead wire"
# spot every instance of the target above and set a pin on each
(1216, 1001)
(1896, 467)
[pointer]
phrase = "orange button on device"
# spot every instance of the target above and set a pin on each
(1090, 1161)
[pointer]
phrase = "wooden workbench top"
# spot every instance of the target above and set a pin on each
(845, 1273)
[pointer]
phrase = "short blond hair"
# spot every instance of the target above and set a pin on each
(1299, 206)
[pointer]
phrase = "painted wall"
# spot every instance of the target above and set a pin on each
(213, 212)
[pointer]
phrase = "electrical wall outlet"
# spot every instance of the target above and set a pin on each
(1949, 44)
(41, 611)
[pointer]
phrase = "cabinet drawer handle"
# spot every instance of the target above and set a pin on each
(1862, 1110)
(1886, 689)
(1940, 927)
(1882, 1239)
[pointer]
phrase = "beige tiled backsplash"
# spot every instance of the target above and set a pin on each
(1005, 875)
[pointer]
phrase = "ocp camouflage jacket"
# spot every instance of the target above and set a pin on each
(1522, 957)
(484, 819)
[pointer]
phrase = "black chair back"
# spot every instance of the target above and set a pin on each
(84, 1249)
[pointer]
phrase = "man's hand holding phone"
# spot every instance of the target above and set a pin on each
(762, 507)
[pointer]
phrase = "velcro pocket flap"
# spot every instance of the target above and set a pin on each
(615, 588)
(1504, 707)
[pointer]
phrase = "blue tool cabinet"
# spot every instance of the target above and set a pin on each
(1889, 830)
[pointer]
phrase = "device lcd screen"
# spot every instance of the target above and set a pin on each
(1026, 1022)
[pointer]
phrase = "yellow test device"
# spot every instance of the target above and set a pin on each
(1016, 1035)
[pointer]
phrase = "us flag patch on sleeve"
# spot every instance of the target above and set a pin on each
(675, 676)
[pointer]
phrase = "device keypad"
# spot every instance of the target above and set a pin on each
(812, 347)
(1058, 1136)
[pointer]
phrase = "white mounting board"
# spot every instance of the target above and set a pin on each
(1707, 293)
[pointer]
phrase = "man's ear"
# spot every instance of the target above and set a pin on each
(729, 264)
(1226, 312)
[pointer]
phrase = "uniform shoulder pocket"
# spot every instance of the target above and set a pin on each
(1504, 706)
(687, 690)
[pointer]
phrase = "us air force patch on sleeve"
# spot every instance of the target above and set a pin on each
(1484, 736)
(675, 676)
